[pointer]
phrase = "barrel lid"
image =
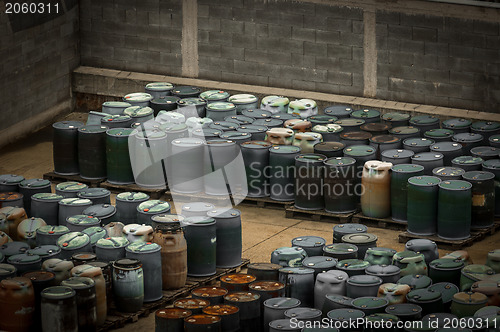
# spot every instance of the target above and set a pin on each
(120, 132)
(427, 156)
(39, 276)
(322, 119)
(204, 320)
(71, 186)
(395, 116)
(241, 297)
(45, 250)
(268, 122)
(477, 271)
(197, 207)
(345, 314)
(165, 100)
(58, 293)
(487, 287)
(143, 247)
(340, 248)
(385, 270)
(275, 101)
(448, 171)
(224, 125)
(138, 111)
(478, 176)
(369, 302)
(153, 207)
(159, 86)
(447, 290)
(252, 129)
(456, 123)
(266, 285)
(308, 241)
(52, 230)
(100, 210)
(408, 256)
(302, 313)
(47, 197)
(112, 242)
(191, 101)
(137, 97)
(487, 312)
(385, 139)
(494, 255)
(86, 270)
(13, 248)
(486, 151)
(375, 127)
(238, 278)
(235, 135)
(359, 238)
(285, 116)
(95, 233)
(73, 240)
(418, 141)
(328, 147)
(10, 196)
(115, 104)
(439, 133)
(284, 149)
(188, 303)
(330, 128)
(257, 113)
(224, 214)
(485, 126)
(445, 147)
(296, 270)
(467, 160)
(256, 145)
(209, 291)
(338, 110)
(173, 313)
(424, 119)
(72, 125)
(381, 251)
(340, 161)
(93, 129)
(319, 262)
(311, 159)
(415, 281)
(23, 259)
(78, 282)
(377, 317)
(115, 118)
(350, 122)
(132, 196)
(407, 168)
(455, 185)
(492, 139)
(404, 130)
(355, 135)
(148, 125)
(127, 263)
(75, 201)
(281, 302)
(243, 98)
(349, 228)
(467, 137)
(403, 309)
(365, 114)
(34, 183)
(359, 150)
(167, 218)
(364, 279)
(239, 119)
(221, 310)
(214, 95)
(423, 295)
(11, 179)
(470, 298)
(353, 264)
(83, 219)
(16, 283)
(94, 193)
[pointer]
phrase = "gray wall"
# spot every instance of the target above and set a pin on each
(38, 54)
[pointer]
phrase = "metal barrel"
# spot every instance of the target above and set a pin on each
(275, 309)
(17, 304)
(360, 153)
(192, 106)
(268, 122)
(282, 172)
(396, 119)
(340, 185)
(58, 309)
(439, 135)
(425, 122)
(163, 103)
(170, 319)
(48, 235)
(244, 102)
(73, 242)
(138, 99)
(486, 129)
(399, 188)
(355, 138)
(25, 262)
(211, 96)
(264, 271)
(149, 255)
(422, 204)
(369, 116)
(114, 107)
(201, 234)
(126, 206)
(61, 268)
(458, 125)
(236, 282)
(224, 126)
(96, 195)
(256, 158)
(82, 258)
(111, 248)
(429, 160)
(493, 141)
(306, 141)
(329, 149)
(319, 264)
(448, 173)
(363, 241)
(339, 111)
(309, 176)
(69, 189)
(229, 314)
(10, 182)
(304, 314)
(397, 156)
(215, 295)
(485, 152)
(405, 132)
(186, 91)
(40, 281)
(196, 209)
(46, 206)
(220, 110)
(468, 141)
(249, 305)
(418, 144)
(79, 222)
(11, 199)
(147, 151)
(454, 209)
(92, 151)
(385, 142)
(299, 283)
(185, 165)
(493, 166)
(170, 237)
(341, 251)
(236, 136)
(201, 323)
(138, 233)
(128, 284)
(258, 132)
(65, 147)
(376, 195)
(147, 209)
(229, 237)
(70, 207)
(140, 114)
(313, 245)
(118, 165)
(195, 305)
(30, 187)
(350, 124)
(86, 303)
(450, 151)
(330, 132)
(468, 163)
(95, 273)
(483, 198)
(267, 289)
(45, 252)
(166, 219)
(376, 128)
(275, 104)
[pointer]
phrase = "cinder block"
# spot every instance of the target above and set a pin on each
(215, 75)
(350, 90)
(220, 11)
(339, 77)
(339, 24)
(417, 47)
(279, 58)
(318, 22)
(254, 55)
(203, 10)
(101, 51)
(351, 66)
(220, 38)
(381, 29)
(340, 51)
(266, 43)
(315, 49)
(437, 76)
(486, 28)
(423, 21)
(231, 26)
(279, 82)
(301, 60)
(459, 51)
(449, 90)
(245, 79)
(358, 26)
(357, 53)
(382, 56)
(262, 30)
(125, 54)
(291, 73)
(303, 34)
(400, 58)
(352, 39)
(293, 19)
(208, 23)
(399, 31)
(467, 104)
(472, 39)
(280, 31)
(209, 50)
(243, 14)
(493, 42)
(446, 62)
(249, 28)
(424, 34)
(303, 85)
(254, 68)
(425, 61)
(328, 37)
(326, 88)
(440, 49)
(203, 36)
(228, 52)
(292, 46)
(486, 55)
(244, 41)
(148, 56)
(265, 16)
(473, 66)
(388, 17)
(170, 59)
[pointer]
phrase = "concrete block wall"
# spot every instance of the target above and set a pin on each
(38, 54)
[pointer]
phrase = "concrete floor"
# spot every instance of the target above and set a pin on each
(263, 229)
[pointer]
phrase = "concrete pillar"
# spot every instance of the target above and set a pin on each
(189, 43)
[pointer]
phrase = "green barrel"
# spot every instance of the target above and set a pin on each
(485, 152)
(309, 181)
(258, 114)
(483, 198)
(329, 149)
(106, 213)
(236, 136)
(468, 163)
(447, 290)
(354, 267)
(126, 206)
(218, 111)
(344, 229)
(140, 114)
(117, 121)
(370, 305)
(396, 119)
(138, 99)
(166, 103)
(321, 119)
(439, 135)
(454, 210)
(339, 111)
(429, 160)
(448, 173)
(399, 188)
(244, 102)
(275, 104)
(92, 151)
(29, 187)
(363, 241)
(114, 107)
(465, 304)
(69, 189)
(65, 147)
(370, 116)
(486, 129)
(379, 256)
(258, 132)
(224, 125)
(493, 166)
(468, 140)
(340, 185)
(385, 142)
(96, 195)
(472, 273)
(282, 172)
(360, 153)
(418, 144)
(240, 119)
(405, 132)
(425, 122)
(430, 301)
(200, 233)
(350, 124)
(256, 158)
(268, 122)
(422, 204)
(446, 270)
(159, 89)
(397, 156)
(458, 125)
(146, 210)
(192, 107)
(410, 262)
(212, 96)
(341, 251)
(493, 260)
(118, 166)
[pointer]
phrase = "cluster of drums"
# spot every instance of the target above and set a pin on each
(66, 256)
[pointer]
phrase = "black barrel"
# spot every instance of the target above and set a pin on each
(65, 147)
(164, 103)
(448, 173)
(458, 125)
(385, 142)
(439, 135)
(350, 124)
(418, 144)
(256, 158)
(46, 206)
(369, 116)
(119, 168)
(338, 111)
(425, 122)
(10, 182)
(486, 129)
(96, 195)
(483, 198)
(228, 231)
(309, 181)
(376, 128)
(405, 132)
(258, 132)
(201, 235)
(329, 149)
(59, 309)
(485, 152)
(30, 187)
(429, 160)
(86, 302)
(240, 119)
(340, 185)
(355, 138)
(454, 210)
(126, 206)
(468, 163)
(282, 172)
(92, 151)
(493, 166)
(399, 188)
(395, 119)
(450, 151)
(422, 204)
(468, 140)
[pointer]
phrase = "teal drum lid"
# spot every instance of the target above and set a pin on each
(159, 86)
(23, 259)
(308, 241)
(350, 228)
(353, 264)
(478, 176)
(359, 238)
(494, 139)
(448, 171)
(364, 280)
(285, 116)
(424, 180)
(428, 156)
(350, 122)
(191, 102)
(418, 141)
(257, 113)
(132, 196)
(447, 264)
(138, 111)
(423, 295)
(256, 145)
(407, 168)
(467, 160)
(340, 161)
(148, 125)
(319, 262)
(94, 193)
(403, 309)
(477, 271)
(120, 132)
(407, 256)
(338, 110)
(73, 240)
(296, 270)
(115, 104)
(93, 129)
(58, 293)
(168, 218)
(381, 251)
(208, 132)
(75, 201)
(415, 281)
(235, 135)
(395, 116)
(166, 100)
(11, 179)
(224, 214)
(47, 197)
(404, 130)
(445, 147)
(34, 183)
(455, 185)
(456, 123)
(447, 290)
(492, 164)
(485, 126)
(71, 186)
(78, 282)
(52, 230)
(281, 302)
(67, 125)
(359, 150)
(379, 317)
(369, 302)
(398, 153)
(223, 125)
(303, 313)
(340, 248)
(44, 251)
(13, 248)
(365, 114)
(243, 98)
(153, 207)
(83, 219)
(100, 210)
(385, 139)
(239, 119)
(115, 118)
(214, 95)
(485, 151)
(95, 233)
(439, 133)
(252, 129)
(143, 247)
(199, 221)
(268, 122)
(322, 119)
(138, 97)
(424, 119)
(311, 158)
(345, 314)
(284, 149)
(467, 138)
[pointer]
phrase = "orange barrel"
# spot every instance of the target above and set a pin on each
(229, 314)
(198, 323)
(170, 319)
(236, 282)
(194, 305)
(211, 293)
(17, 304)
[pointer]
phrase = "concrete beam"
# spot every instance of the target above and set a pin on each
(189, 43)
(370, 54)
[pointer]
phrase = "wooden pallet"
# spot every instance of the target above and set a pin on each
(266, 202)
(198, 197)
(475, 236)
(317, 215)
(118, 188)
(58, 178)
(388, 223)
(116, 319)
